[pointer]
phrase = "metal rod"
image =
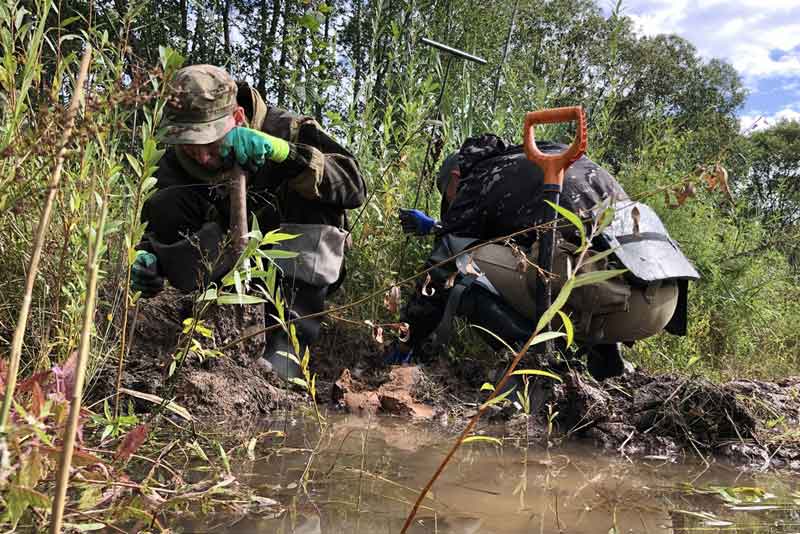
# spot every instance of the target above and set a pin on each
(547, 245)
(454, 51)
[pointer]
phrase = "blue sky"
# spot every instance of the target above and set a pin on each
(760, 38)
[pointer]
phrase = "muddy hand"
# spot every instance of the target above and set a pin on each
(144, 274)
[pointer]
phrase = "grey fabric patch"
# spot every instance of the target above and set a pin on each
(642, 244)
(320, 249)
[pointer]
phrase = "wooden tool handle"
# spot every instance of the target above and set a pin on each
(238, 200)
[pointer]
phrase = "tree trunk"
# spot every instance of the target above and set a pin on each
(357, 63)
(378, 93)
(265, 50)
(325, 63)
(226, 28)
(300, 75)
(184, 29)
(504, 57)
(198, 41)
(285, 37)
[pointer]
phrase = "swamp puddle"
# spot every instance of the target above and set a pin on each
(363, 476)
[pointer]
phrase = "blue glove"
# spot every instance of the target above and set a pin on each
(144, 274)
(397, 356)
(416, 222)
(252, 148)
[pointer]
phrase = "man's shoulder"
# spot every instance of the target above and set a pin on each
(284, 123)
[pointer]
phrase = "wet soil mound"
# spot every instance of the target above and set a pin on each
(229, 384)
(671, 414)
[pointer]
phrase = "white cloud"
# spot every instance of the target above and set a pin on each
(759, 121)
(664, 17)
(792, 86)
(744, 32)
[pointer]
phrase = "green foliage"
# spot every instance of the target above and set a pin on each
(743, 312)
(193, 348)
(773, 183)
(656, 111)
(112, 426)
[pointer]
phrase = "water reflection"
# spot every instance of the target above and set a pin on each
(361, 476)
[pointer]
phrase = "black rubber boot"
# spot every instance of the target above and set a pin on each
(306, 300)
(606, 361)
(276, 355)
(480, 307)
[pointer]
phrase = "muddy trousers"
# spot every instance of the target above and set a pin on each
(603, 315)
(608, 312)
(482, 308)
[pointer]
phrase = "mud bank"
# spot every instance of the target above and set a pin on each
(229, 385)
(751, 422)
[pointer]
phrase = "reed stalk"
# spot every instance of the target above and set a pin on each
(62, 481)
(41, 230)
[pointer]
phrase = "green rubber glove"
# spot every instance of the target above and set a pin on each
(144, 274)
(253, 147)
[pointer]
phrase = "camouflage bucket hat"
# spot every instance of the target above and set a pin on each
(199, 110)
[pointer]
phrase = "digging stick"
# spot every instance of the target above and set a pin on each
(33, 268)
(238, 199)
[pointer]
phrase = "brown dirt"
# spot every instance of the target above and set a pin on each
(395, 396)
(752, 422)
(669, 415)
(233, 385)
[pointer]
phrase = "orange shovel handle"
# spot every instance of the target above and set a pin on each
(554, 165)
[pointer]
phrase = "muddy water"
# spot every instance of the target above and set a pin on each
(362, 476)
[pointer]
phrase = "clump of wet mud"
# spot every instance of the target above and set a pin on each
(232, 384)
(668, 415)
(395, 396)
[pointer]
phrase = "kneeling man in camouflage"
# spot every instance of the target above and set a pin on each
(490, 190)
